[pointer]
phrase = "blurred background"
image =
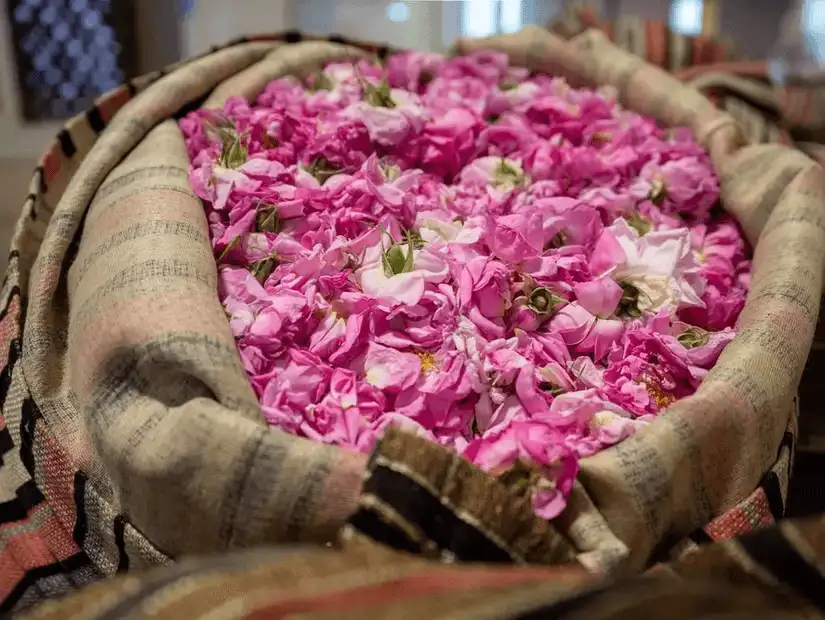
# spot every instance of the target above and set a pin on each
(56, 56)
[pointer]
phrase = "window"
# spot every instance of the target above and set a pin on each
(482, 18)
(813, 19)
(686, 16)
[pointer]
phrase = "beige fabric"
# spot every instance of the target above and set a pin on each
(130, 357)
(130, 360)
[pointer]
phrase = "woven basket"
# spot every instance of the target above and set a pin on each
(132, 436)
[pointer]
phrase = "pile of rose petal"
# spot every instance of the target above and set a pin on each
(523, 272)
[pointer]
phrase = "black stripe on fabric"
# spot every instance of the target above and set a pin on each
(190, 107)
(67, 144)
(14, 254)
(28, 422)
(337, 38)
(120, 542)
(74, 245)
(438, 523)
(293, 36)
(130, 85)
(6, 443)
(41, 181)
(765, 110)
(31, 201)
(236, 41)
(382, 52)
(30, 579)
(771, 550)
(773, 493)
(6, 373)
(788, 441)
(15, 291)
(81, 525)
(369, 523)
(26, 497)
(771, 485)
(701, 537)
(95, 119)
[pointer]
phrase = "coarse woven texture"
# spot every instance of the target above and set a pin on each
(773, 573)
(126, 410)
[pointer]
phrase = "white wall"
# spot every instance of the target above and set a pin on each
(367, 19)
(213, 22)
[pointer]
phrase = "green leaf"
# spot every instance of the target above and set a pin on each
(629, 302)
(395, 261)
(542, 301)
(414, 237)
(233, 243)
(554, 390)
(322, 170)
(263, 268)
(693, 337)
(378, 96)
(658, 190)
(508, 175)
(559, 240)
(233, 153)
(321, 81)
(640, 224)
(520, 477)
(267, 218)
(390, 171)
(409, 264)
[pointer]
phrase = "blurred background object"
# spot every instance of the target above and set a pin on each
(58, 55)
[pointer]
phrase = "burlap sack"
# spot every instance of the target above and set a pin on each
(132, 437)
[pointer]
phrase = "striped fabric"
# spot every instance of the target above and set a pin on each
(126, 416)
(775, 573)
(130, 436)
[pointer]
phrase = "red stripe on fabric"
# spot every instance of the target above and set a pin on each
(752, 514)
(429, 582)
(51, 163)
(58, 486)
(112, 101)
(11, 574)
(31, 540)
(264, 37)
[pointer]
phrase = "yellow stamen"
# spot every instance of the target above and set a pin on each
(661, 398)
(428, 361)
